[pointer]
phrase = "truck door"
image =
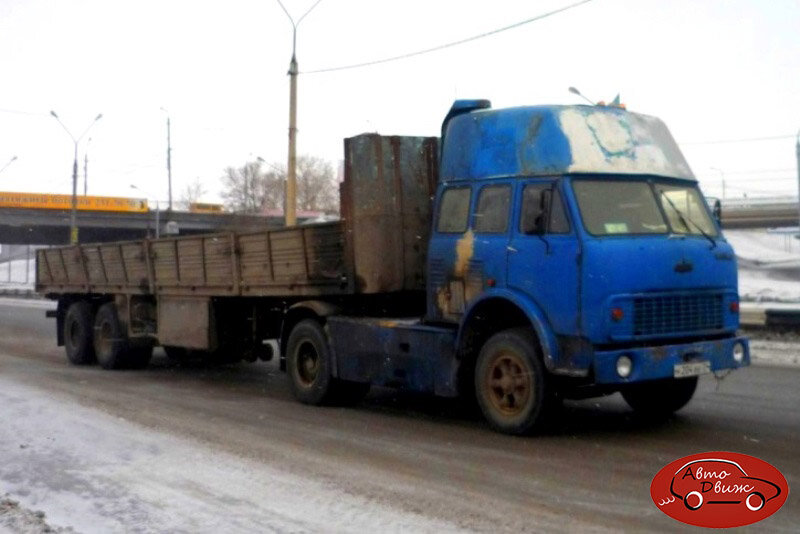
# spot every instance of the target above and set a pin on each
(543, 254)
(465, 257)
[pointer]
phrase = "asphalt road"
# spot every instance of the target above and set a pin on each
(405, 456)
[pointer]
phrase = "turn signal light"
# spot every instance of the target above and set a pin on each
(734, 307)
(617, 314)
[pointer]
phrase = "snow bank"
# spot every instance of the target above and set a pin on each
(98, 473)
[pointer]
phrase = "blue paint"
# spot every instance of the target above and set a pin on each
(651, 363)
(567, 283)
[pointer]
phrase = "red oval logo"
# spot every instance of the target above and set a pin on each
(719, 489)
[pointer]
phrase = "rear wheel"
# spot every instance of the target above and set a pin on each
(111, 344)
(660, 398)
(79, 334)
(511, 384)
(308, 363)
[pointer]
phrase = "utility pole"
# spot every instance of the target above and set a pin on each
(73, 217)
(291, 172)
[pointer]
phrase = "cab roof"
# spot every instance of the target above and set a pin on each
(480, 143)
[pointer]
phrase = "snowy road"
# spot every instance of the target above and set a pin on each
(226, 449)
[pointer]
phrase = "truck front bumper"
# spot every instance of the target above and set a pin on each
(651, 363)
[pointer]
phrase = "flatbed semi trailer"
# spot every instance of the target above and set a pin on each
(528, 255)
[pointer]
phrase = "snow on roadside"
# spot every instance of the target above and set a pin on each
(769, 265)
(15, 519)
(98, 473)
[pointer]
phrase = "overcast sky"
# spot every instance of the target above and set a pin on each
(713, 70)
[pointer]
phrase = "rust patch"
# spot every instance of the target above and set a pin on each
(464, 250)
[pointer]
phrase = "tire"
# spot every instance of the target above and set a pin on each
(79, 334)
(111, 344)
(660, 398)
(308, 363)
(512, 387)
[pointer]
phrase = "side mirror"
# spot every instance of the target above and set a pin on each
(718, 212)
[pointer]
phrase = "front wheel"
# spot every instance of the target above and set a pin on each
(660, 398)
(511, 384)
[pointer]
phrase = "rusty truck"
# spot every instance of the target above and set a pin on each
(525, 256)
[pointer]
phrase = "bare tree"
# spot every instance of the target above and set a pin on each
(316, 185)
(251, 189)
(192, 193)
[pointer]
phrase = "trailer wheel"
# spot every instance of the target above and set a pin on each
(111, 344)
(308, 363)
(79, 334)
(511, 384)
(660, 398)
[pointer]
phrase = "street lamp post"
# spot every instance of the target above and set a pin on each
(73, 218)
(169, 160)
(12, 160)
(291, 171)
(86, 167)
(158, 210)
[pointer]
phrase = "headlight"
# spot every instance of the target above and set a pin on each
(738, 352)
(624, 366)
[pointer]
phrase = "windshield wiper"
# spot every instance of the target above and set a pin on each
(683, 220)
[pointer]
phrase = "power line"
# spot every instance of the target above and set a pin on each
(743, 140)
(18, 112)
(448, 45)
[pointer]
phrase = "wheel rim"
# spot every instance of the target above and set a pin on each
(104, 337)
(307, 364)
(508, 386)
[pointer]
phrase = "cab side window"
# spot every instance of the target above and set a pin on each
(454, 210)
(532, 215)
(491, 213)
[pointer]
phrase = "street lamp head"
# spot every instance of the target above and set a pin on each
(99, 116)
(53, 113)
(574, 91)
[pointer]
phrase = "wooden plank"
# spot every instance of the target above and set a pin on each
(268, 240)
(151, 273)
(122, 264)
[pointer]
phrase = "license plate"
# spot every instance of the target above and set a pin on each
(682, 370)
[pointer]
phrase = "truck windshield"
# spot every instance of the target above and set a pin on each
(632, 207)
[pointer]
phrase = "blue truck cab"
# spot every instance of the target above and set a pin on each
(575, 255)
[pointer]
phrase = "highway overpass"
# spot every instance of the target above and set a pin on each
(26, 226)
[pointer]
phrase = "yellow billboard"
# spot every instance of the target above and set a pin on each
(204, 207)
(48, 201)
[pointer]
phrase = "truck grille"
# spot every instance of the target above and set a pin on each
(675, 314)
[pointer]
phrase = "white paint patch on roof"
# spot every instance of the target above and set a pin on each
(610, 141)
